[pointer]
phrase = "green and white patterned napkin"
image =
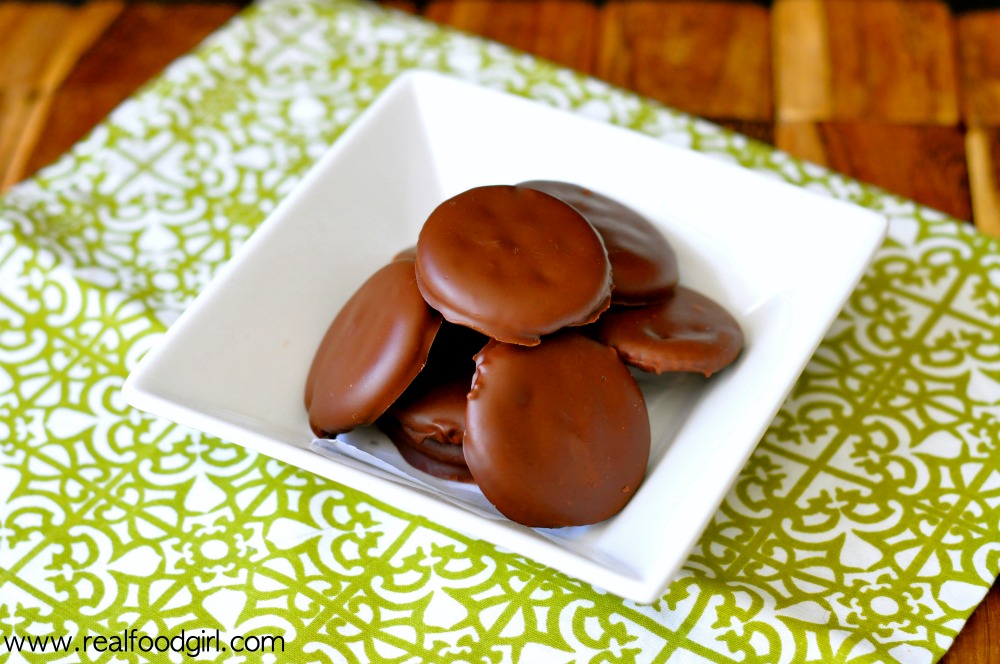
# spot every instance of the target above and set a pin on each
(865, 528)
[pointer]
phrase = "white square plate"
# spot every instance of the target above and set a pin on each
(783, 260)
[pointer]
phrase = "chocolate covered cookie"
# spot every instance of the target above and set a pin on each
(513, 263)
(432, 466)
(688, 332)
(643, 264)
(430, 415)
(373, 349)
(556, 434)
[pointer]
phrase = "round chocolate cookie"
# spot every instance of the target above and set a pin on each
(451, 453)
(643, 264)
(432, 466)
(373, 349)
(430, 415)
(513, 263)
(556, 434)
(688, 332)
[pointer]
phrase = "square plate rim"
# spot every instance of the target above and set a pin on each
(641, 588)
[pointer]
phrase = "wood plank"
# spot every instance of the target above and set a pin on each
(925, 163)
(539, 27)
(979, 64)
(978, 642)
(983, 151)
(706, 58)
(802, 90)
(15, 113)
(867, 60)
(42, 43)
(144, 39)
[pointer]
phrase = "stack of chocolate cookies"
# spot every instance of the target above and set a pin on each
(495, 351)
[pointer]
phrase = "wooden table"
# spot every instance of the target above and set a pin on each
(904, 94)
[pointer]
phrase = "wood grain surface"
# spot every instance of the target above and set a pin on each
(904, 94)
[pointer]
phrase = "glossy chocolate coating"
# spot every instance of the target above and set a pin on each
(512, 263)
(557, 434)
(643, 264)
(450, 453)
(430, 414)
(434, 408)
(373, 349)
(688, 332)
(431, 466)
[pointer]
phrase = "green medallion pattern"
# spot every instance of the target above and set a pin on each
(865, 528)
